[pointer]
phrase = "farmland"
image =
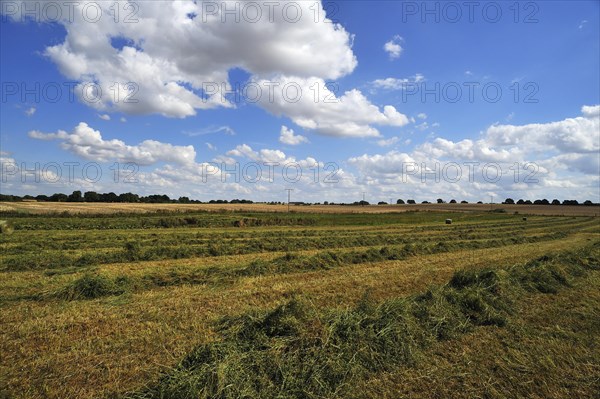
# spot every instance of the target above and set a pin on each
(144, 301)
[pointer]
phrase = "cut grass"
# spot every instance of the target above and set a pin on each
(91, 286)
(52, 348)
(295, 351)
(288, 263)
(175, 285)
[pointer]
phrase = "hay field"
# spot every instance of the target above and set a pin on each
(229, 304)
(34, 207)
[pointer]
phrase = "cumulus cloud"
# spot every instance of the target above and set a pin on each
(287, 136)
(578, 135)
(592, 111)
(313, 106)
(176, 60)
(89, 144)
(393, 47)
(104, 117)
(264, 155)
(177, 47)
(551, 156)
(30, 111)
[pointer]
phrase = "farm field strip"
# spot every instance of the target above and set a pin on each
(64, 340)
(82, 240)
(280, 263)
(18, 258)
(135, 337)
(42, 208)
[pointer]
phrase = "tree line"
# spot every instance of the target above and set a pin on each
(92, 196)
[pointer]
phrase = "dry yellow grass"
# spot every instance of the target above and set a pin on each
(107, 208)
(543, 348)
(86, 349)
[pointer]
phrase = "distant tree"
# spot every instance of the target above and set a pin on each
(326, 203)
(59, 197)
(555, 202)
(363, 203)
(91, 196)
(42, 197)
(480, 202)
(570, 202)
(109, 197)
(464, 202)
(183, 200)
(382, 203)
(412, 202)
(75, 197)
(453, 201)
(528, 202)
(129, 197)
(545, 202)
(156, 199)
(425, 202)
(520, 202)
(509, 201)
(588, 203)
(9, 198)
(400, 202)
(440, 201)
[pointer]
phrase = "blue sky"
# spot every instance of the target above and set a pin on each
(380, 57)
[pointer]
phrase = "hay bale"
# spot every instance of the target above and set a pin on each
(448, 221)
(5, 227)
(239, 223)
(524, 219)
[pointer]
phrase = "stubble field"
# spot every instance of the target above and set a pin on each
(156, 302)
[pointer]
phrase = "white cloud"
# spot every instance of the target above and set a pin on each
(287, 136)
(422, 115)
(591, 111)
(170, 56)
(173, 64)
(564, 155)
(123, 119)
(393, 47)
(578, 135)
(313, 106)
(104, 117)
(211, 147)
(397, 83)
(89, 144)
(264, 155)
(30, 111)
